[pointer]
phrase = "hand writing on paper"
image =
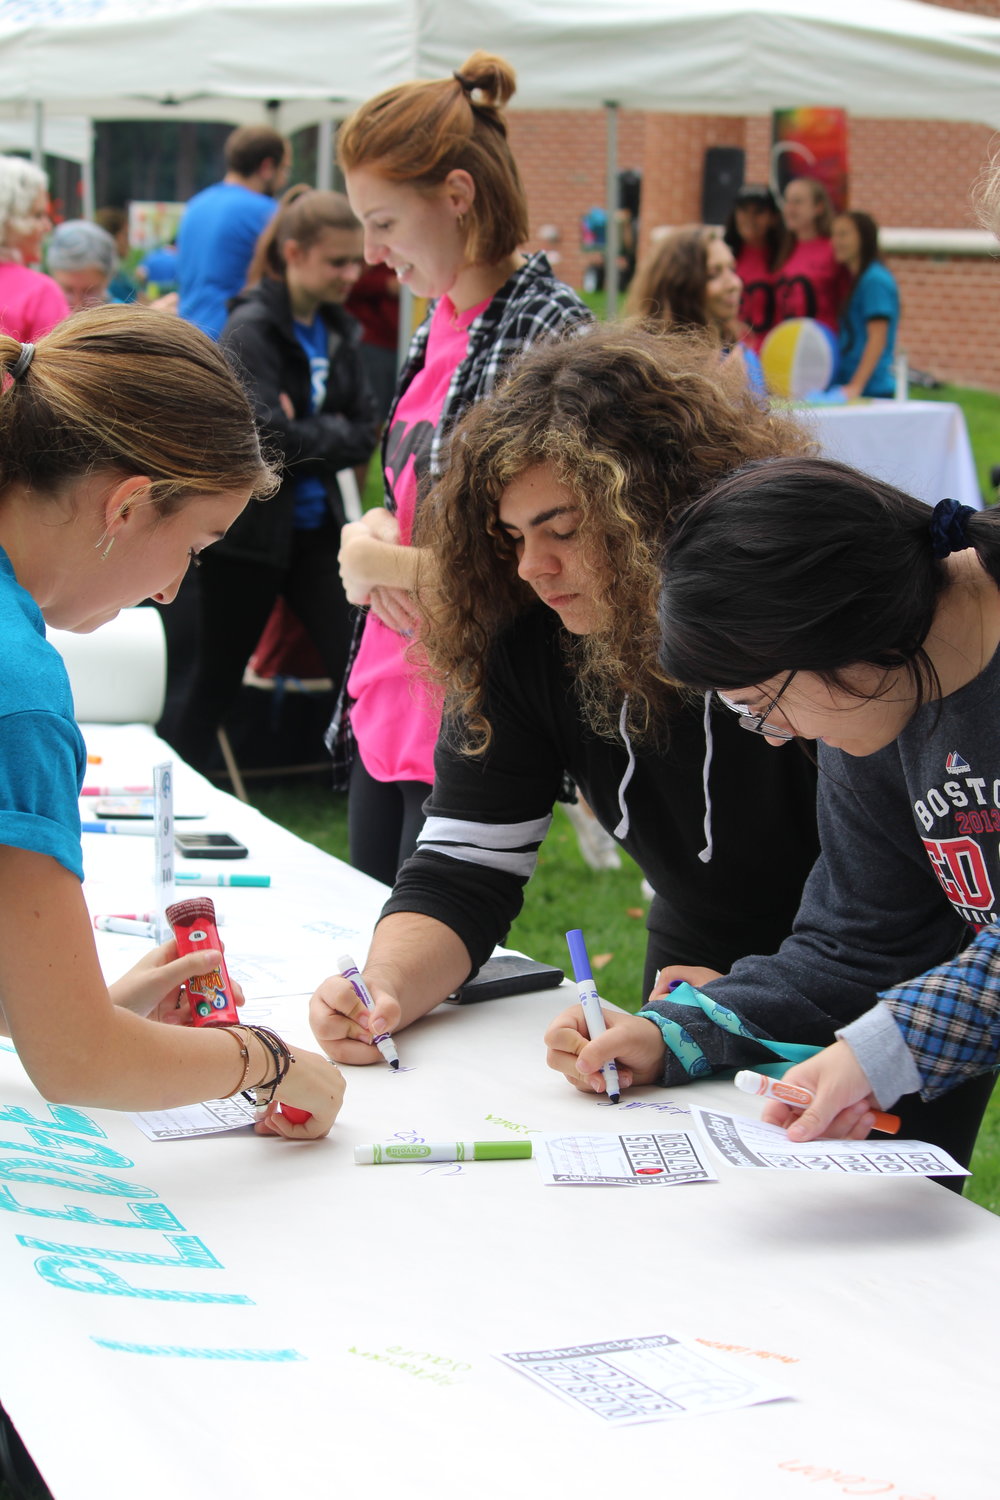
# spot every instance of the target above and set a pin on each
(152, 987)
(342, 1025)
(695, 977)
(633, 1042)
(844, 1104)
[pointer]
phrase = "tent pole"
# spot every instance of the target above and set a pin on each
(611, 194)
(38, 134)
(89, 201)
(324, 155)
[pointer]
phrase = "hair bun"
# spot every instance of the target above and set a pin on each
(489, 75)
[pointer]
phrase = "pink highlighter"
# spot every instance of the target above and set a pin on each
(211, 994)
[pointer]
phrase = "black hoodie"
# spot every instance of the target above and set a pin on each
(259, 340)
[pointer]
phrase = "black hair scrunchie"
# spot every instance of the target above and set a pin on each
(948, 527)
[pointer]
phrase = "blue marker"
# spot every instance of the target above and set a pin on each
(143, 830)
(593, 1015)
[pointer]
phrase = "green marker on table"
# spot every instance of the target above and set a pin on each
(383, 1153)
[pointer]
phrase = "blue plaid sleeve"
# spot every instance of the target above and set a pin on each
(950, 1016)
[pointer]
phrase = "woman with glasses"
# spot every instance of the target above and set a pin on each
(823, 604)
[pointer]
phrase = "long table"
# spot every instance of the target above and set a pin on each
(240, 1317)
(921, 447)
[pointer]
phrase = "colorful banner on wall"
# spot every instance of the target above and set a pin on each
(811, 142)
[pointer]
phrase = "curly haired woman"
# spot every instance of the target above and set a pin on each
(547, 533)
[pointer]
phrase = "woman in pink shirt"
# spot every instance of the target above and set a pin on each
(755, 232)
(30, 303)
(810, 284)
(429, 173)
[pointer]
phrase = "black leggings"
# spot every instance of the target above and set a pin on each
(383, 820)
(236, 599)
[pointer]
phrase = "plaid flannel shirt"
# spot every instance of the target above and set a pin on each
(950, 1017)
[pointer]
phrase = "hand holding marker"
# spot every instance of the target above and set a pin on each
(593, 1015)
(384, 1043)
(801, 1098)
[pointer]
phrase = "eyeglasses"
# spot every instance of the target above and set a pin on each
(757, 723)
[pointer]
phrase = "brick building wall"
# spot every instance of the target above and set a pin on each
(906, 173)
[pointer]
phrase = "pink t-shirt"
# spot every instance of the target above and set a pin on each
(30, 303)
(757, 304)
(811, 284)
(395, 716)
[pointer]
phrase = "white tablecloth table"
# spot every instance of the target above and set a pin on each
(355, 1356)
(921, 447)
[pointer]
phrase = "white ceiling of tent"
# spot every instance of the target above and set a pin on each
(223, 59)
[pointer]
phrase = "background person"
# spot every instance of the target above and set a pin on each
(755, 232)
(689, 281)
(870, 317)
(810, 284)
(221, 225)
(121, 288)
(877, 634)
(547, 531)
(126, 449)
(298, 352)
(81, 258)
(30, 302)
(430, 175)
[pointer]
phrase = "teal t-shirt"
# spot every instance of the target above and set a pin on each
(43, 758)
(875, 295)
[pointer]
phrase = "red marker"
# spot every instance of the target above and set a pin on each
(296, 1116)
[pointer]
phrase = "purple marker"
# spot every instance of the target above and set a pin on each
(384, 1043)
(673, 985)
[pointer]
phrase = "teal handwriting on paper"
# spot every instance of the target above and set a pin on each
(183, 1351)
(59, 1146)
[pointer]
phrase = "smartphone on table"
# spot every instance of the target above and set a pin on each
(209, 846)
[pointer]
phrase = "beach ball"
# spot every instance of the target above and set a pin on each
(798, 356)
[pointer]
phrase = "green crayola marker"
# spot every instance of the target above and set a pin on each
(385, 1152)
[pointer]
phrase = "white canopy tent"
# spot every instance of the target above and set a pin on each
(226, 59)
(303, 61)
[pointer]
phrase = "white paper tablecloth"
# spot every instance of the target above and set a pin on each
(355, 1355)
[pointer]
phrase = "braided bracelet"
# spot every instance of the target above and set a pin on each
(281, 1055)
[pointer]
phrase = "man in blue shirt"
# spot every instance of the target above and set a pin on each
(220, 226)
